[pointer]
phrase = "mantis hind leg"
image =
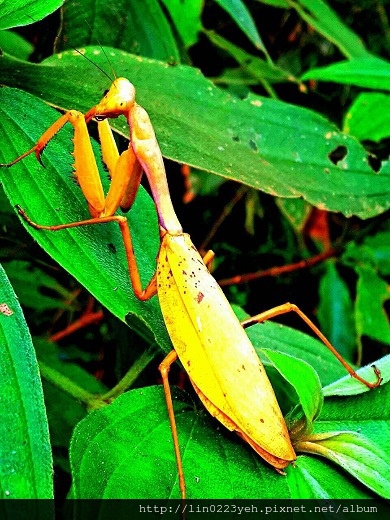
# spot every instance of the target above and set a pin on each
(290, 307)
(164, 368)
(208, 259)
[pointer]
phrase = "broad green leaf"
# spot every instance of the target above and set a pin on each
(276, 3)
(254, 141)
(373, 251)
(26, 463)
(12, 43)
(367, 118)
(360, 457)
(366, 72)
(336, 312)
(140, 461)
(15, 13)
(318, 14)
(144, 30)
(372, 292)
(296, 211)
(30, 284)
(258, 68)
(367, 413)
(296, 372)
(315, 478)
(240, 14)
(186, 15)
(63, 411)
(349, 386)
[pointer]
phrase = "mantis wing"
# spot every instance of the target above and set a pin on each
(216, 352)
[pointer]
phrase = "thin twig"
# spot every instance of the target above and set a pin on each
(225, 213)
(88, 318)
(276, 271)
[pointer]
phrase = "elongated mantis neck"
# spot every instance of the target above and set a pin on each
(148, 153)
(166, 214)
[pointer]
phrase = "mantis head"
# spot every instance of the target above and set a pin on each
(119, 99)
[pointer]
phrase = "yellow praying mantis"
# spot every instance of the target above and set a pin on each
(208, 339)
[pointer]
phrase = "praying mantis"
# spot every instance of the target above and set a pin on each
(208, 339)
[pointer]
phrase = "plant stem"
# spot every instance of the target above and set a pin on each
(278, 270)
(67, 385)
(94, 401)
(129, 378)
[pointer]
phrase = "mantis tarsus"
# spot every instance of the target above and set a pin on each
(208, 339)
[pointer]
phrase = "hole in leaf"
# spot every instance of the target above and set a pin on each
(378, 152)
(338, 154)
(374, 162)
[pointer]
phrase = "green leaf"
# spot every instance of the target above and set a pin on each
(240, 14)
(14, 44)
(296, 212)
(64, 411)
(141, 459)
(186, 16)
(256, 142)
(356, 454)
(349, 386)
(313, 478)
(371, 294)
(318, 14)
(366, 72)
(367, 413)
(368, 259)
(144, 30)
(295, 372)
(373, 251)
(16, 13)
(30, 284)
(336, 312)
(276, 3)
(26, 463)
(367, 117)
(259, 69)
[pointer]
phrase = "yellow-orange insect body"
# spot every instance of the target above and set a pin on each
(216, 352)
